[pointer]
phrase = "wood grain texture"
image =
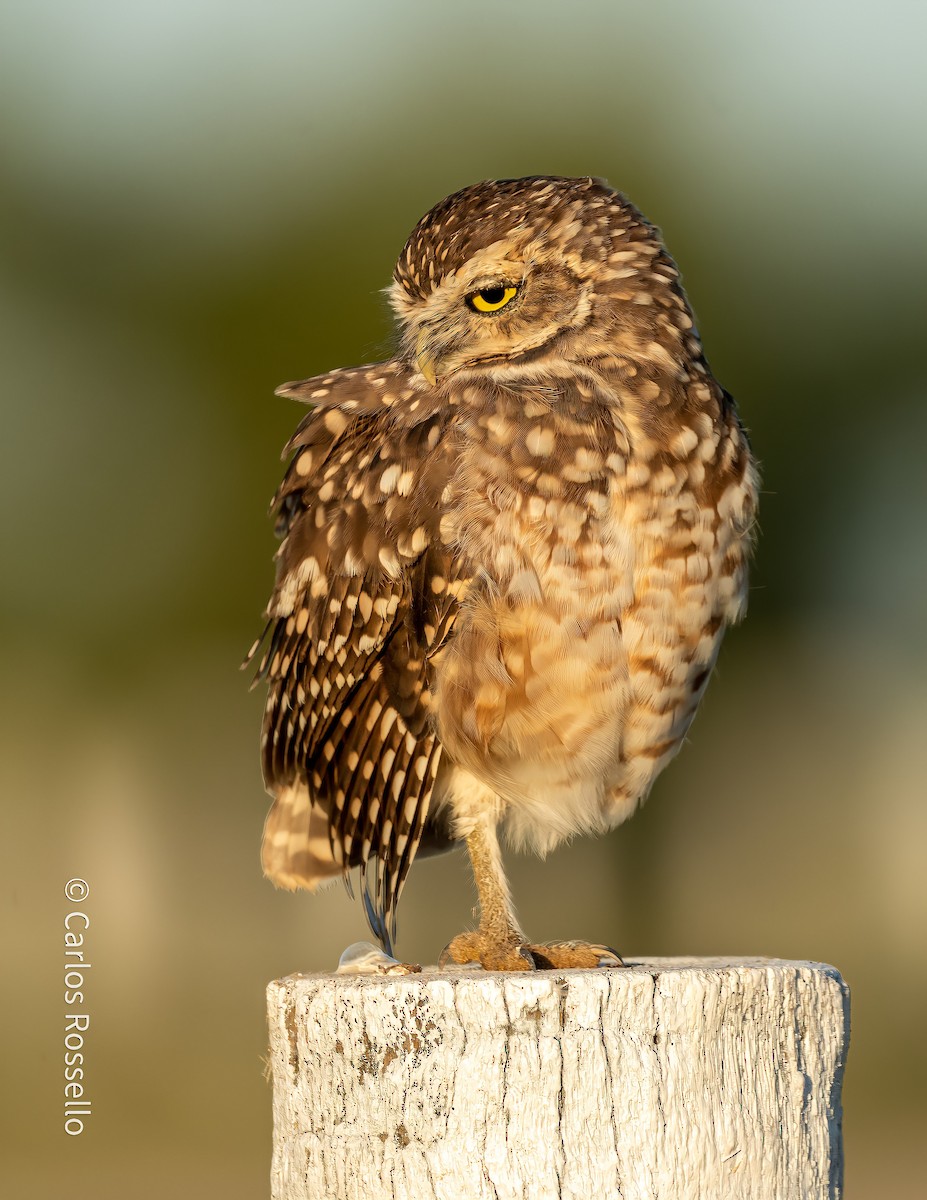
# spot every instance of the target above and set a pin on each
(687, 1079)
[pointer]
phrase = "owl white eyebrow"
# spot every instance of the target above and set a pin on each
(484, 284)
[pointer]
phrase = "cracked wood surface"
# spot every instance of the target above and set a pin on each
(683, 1078)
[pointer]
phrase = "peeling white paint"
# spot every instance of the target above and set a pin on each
(686, 1079)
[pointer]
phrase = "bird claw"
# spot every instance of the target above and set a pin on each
(564, 956)
(512, 954)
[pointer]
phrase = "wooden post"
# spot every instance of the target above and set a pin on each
(669, 1079)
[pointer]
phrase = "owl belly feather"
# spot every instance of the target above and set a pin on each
(532, 702)
(586, 639)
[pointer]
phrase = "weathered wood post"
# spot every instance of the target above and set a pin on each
(670, 1079)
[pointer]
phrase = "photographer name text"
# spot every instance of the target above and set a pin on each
(77, 1105)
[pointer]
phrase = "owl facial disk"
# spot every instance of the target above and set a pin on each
(492, 311)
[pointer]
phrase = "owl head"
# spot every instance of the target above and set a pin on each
(507, 272)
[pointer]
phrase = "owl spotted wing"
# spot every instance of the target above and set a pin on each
(365, 597)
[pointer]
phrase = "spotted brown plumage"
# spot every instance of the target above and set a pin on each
(354, 622)
(509, 556)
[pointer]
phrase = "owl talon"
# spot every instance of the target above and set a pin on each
(563, 956)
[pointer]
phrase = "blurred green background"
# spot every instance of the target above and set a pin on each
(202, 199)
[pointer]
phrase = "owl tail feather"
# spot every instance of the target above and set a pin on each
(296, 851)
(382, 924)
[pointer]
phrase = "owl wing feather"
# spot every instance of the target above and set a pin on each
(365, 595)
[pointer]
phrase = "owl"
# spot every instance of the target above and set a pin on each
(509, 555)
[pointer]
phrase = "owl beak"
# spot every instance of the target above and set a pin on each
(427, 368)
(424, 359)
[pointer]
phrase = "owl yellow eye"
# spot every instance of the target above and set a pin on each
(491, 299)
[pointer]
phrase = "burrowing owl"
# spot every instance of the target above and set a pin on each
(509, 556)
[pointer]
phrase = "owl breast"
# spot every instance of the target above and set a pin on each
(604, 573)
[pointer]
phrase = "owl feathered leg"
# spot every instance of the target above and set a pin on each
(499, 944)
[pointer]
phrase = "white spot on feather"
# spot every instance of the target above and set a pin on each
(390, 478)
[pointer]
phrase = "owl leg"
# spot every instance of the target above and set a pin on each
(498, 944)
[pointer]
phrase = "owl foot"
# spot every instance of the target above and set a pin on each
(563, 956)
(512, 954)
(493, 954)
